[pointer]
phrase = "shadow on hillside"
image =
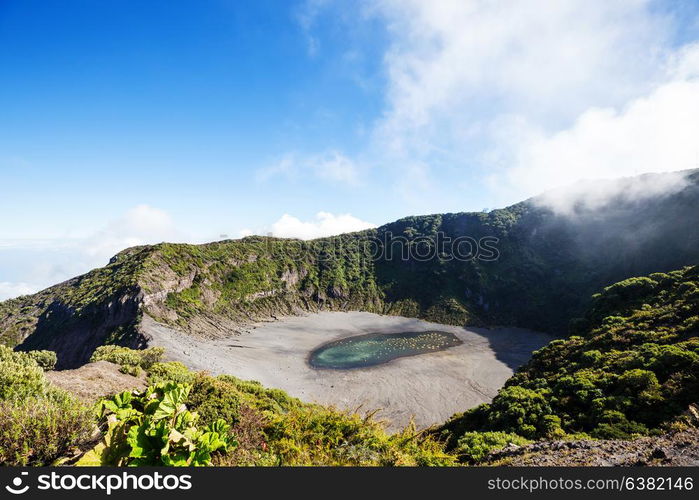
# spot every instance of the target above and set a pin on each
(513, 346)
(75, 336)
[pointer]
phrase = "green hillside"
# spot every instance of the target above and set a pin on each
(536, 269)
(631, 369)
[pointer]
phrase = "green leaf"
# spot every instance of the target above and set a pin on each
(140, 443)
(172, 402)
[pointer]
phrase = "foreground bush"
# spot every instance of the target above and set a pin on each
(45, 359)
(172, 371)
(324, 436)
(189, 419)
(20, 376)
(272, 428)
(38, 431)
(261, 397)
(214, 399)
(38, 422)
(154, 427)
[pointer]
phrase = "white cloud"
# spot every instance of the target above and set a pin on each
(324, 224)
(11, 290)
(454, 64)
(335, 166)
(139, 226)
(330, 165)
(685, 63)
(531, 95)
(657, 133)
(306, 16)
(284, 167)
(589, 195)
(42, 263)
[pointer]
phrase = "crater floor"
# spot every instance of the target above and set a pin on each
(427, 387)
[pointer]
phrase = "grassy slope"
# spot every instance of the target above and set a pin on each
(632, 369)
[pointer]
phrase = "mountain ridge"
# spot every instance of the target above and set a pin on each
(547, 268)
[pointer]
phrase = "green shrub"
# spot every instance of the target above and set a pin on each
(260, 397)
(38, 422)
(179, 424)
(133, 370)
(640, 384)
(151, 356)
(633, 370)
(128, 357)
(214, 399)
(20, 375)
(615, 425)
(519, 410)
(171, 371)
(117, 355)
(472, 447)
(314, 435)
(38, 431)
(45, 359)
(591, 358)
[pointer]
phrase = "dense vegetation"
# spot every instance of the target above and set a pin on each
(131, 361)
(156, 428)
(38, 422)
(187, 418)
(632, 369)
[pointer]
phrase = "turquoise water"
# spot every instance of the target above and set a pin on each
(377, 348)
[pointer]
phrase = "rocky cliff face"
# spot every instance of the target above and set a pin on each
(75, 336)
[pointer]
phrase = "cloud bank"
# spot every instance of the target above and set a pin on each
(324, 224)
(38, 264)
(140, 225)
(654, 133)
(10, 290)
(523, 97)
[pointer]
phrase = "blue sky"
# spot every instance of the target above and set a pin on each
(173, 104)
(127, 122)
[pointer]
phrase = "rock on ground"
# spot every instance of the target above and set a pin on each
(679, 448)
